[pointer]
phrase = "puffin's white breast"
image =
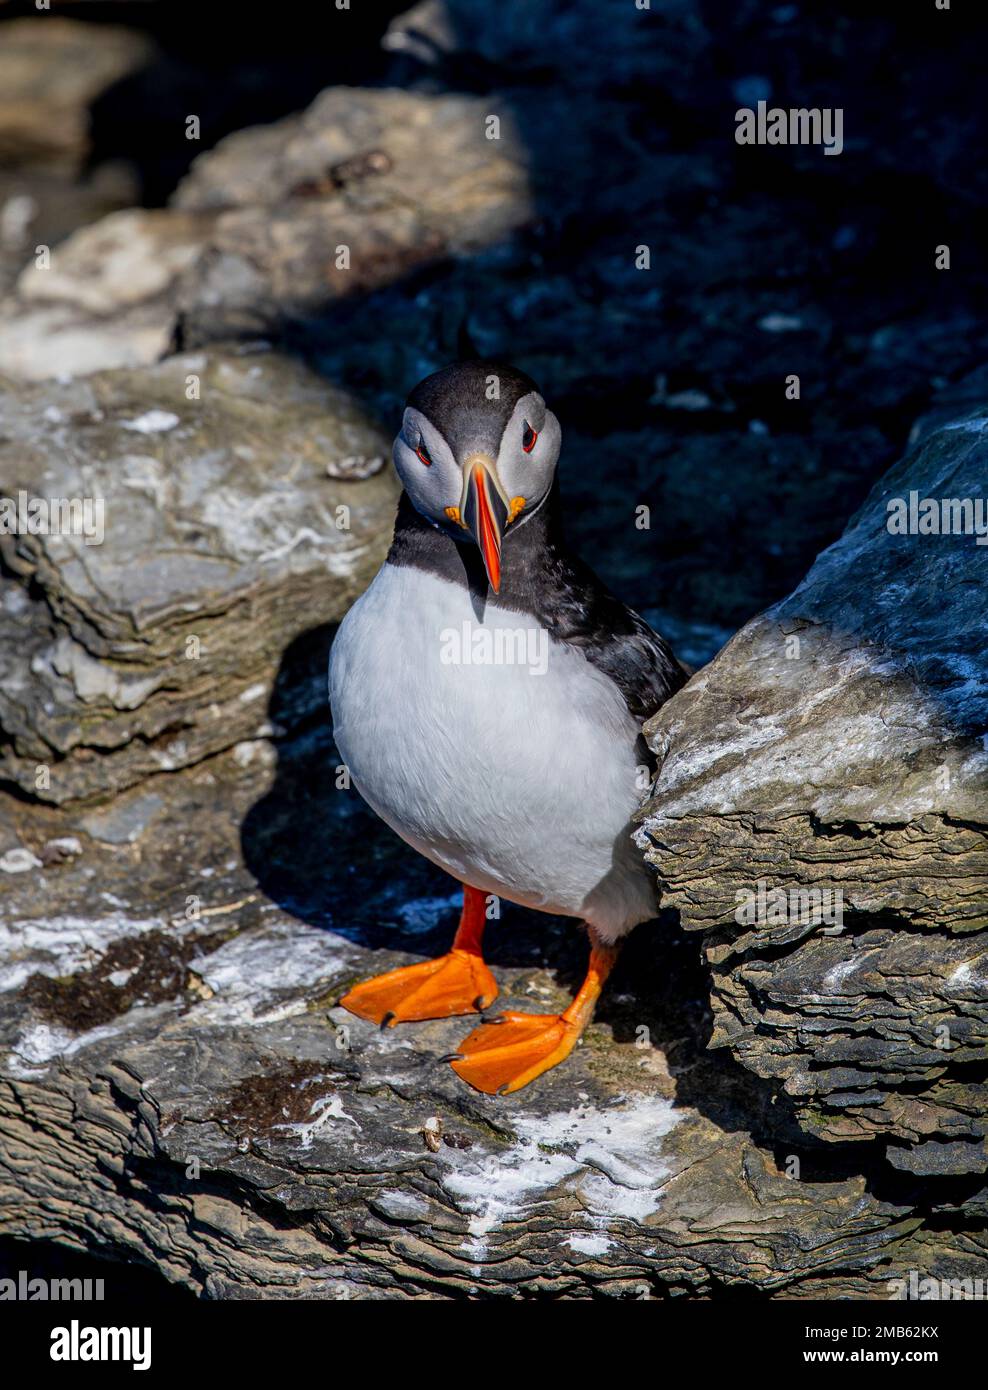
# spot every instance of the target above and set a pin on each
(503, 756)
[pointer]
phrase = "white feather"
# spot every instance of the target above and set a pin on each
(518, 783)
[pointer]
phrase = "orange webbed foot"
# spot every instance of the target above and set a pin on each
(454, 984)
(508, 1052)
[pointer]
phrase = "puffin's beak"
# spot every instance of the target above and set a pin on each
(484, 512)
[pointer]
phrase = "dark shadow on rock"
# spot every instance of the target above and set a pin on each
(765, 262)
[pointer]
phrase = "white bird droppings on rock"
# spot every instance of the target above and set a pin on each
(323, 1110)
(19, 861)
(152, 422)
(611, 1159)
(589, 1244)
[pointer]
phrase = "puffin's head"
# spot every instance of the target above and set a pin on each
(477, 453)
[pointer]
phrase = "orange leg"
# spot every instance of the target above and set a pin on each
(457, 983)
(513, 1049)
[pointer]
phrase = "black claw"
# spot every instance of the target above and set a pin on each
(501, 1089)
(453, 1057)
(496, 1018)
(386, 1020)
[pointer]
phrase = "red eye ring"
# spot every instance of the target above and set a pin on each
(423, 453)
(529, 438)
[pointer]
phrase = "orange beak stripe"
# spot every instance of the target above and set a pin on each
(488, 535)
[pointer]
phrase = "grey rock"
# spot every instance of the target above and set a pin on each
(40, 207)
(104, 299)
(231, 523)
(838, 745)
(253, 240)
(182, 1091)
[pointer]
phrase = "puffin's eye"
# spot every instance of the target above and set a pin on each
(423, 453)
(528, 438)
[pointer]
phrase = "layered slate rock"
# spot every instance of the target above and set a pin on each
(244, 500)
(276, 223)
(178, 1088)
(839, 744)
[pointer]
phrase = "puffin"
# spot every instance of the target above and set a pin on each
(487, 694)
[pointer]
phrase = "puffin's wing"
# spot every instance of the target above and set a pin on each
(614, 638)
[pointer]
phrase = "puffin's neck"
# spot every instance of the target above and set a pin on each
(527, 553)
